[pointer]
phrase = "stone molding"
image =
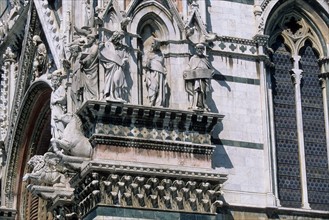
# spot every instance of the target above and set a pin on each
(146, 169)
(7, 214)
(15, 126)
(240, 47)
(204, 149)
(145, 187)
(51, 27)
(148, 125)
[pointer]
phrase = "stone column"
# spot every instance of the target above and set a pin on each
(324, 79)
(267, 107)
(7, 89)
(296, 73)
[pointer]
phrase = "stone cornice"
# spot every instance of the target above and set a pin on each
(106, 122)
(152, 187)
(139, 169)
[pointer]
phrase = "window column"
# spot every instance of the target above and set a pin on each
(296, 74)
(324, 78)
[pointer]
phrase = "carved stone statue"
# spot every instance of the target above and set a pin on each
(57, 103)
(197, 78)
(76, 88)
(41, 59)
(73, 146)
(46, 170)
(114, 58)
(89, 68)
(155, 77)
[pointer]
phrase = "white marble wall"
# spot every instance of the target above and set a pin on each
(232, 19)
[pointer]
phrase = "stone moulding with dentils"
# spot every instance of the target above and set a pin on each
(152, 125)
(138, 186)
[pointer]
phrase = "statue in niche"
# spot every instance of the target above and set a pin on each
(155, 77)
(73, 146)
(46, 170)
(40, 62)
(89, 68)
(57, 103)
(114, 59)
(197, 79)
(76, 88)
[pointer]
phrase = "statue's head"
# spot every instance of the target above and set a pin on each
(117, 37)
(200, 49)
(155, 45)
(91, 39)
(75, 50)
(36, 159)
(56, 78)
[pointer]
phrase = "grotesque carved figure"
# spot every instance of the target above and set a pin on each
(197, 78)
(114, 58)
(57, 103)
(46, 170)
(40, 62)
(73, 143)
(155, 77)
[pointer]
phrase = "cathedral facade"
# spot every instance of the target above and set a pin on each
(164, 109)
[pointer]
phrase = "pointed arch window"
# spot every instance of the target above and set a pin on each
(300, 116)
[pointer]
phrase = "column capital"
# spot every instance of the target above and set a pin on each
(296, 76)
(9, 56)
(324, 65)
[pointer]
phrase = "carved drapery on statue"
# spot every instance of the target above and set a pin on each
(89, 68)
(57, 103)
(40, 62)
(197, 79)
(155, 76)
(114, 59)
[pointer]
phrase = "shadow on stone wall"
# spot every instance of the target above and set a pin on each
(220, 157)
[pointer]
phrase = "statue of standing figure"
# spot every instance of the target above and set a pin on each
(155, 77)
(89, 68)
(197, 79)
(57, 103)
(76, 88)
(114, 58)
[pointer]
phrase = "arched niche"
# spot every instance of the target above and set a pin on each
(150, 20)
(154, 11)
(31, 136)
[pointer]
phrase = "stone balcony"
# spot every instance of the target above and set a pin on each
(148, 158)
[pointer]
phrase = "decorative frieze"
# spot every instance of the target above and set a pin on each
(150, 124)
(237, 46)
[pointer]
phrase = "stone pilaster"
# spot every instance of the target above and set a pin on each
(8, 79)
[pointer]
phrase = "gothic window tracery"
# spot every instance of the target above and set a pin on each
(299, 118)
